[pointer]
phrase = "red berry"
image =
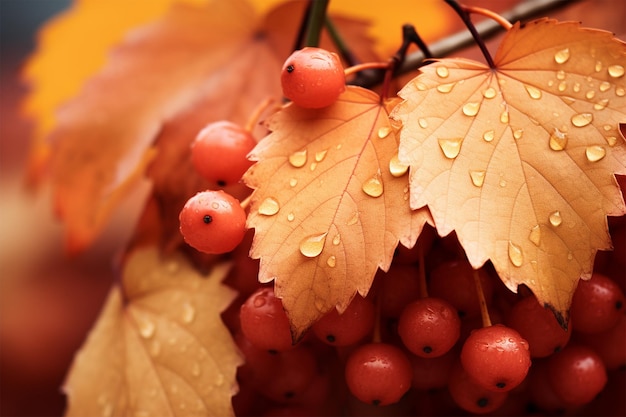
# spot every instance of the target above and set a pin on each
(378, 373)
(497, 357)
(264, 321)
(350, 326)
(313, 78)
(213, 222)
(597, 304)
(429, 327)
(219, 152)
(472, 396)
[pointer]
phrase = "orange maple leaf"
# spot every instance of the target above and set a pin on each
(330, 204)
(520, 159)
(159, 345)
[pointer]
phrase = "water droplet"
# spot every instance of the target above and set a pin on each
(471, 109)
(533, 92)
(568, 100)
(558, 140)
(570, 255)
(595, 152)
(620, 92)
(319, 303)
(582, 119)
(517, 134)
(195, 369)
(450, 147)
(555, 218)
(502, 182)
(489, 135)
(477, 177)
(319, 156)
(423, 123)
(298, 159)
(442, 71)
(291, 217)
(611, 140)
(384, 131)
(189, 313)
(215, 205)
(561, 56)
(146, 328)
(313, 166)
(337, 239)
(373, 186)
(601, 105)
(598, 66)
(354, 219)
(515, 254)
(562, 86)
(576, 87)
(590, 94)
(490, 92)
(607, 127)
(397, 168)
(311, 246)
(550, 83)
(269, 207)
(445, 88)
(616, 71)
(293, 182)
(331, 261)
(560, 75)
(504, 117)
(259, 301)
(535, 235)
(605, 86)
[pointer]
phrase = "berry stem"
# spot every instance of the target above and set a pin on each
(317, 17)
(484, 312)
(490, 14)
(246, 202)
(465, 17)
(365, 66)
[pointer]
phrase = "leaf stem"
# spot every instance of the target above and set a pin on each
(317, 17)
(465, 17)
(490, 14)
(484, 312)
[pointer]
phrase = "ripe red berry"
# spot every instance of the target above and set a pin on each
(313, 78)
(349, 327)
(497, 357)
(264, 321)
(219, 152)
(472, 396)
(597, 304)
(213, 222)
(378, 373)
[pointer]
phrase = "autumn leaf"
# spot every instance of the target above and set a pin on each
(519, 160)
(159, 347)
(330, 204)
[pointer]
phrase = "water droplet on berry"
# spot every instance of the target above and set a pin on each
(450, 147)
(269, 207)
(373, 186)
(146, 328)
(477, 177)
(533, 92)
(311, 246)
(490, 92)
(319, 156)
(445, 88)
(595, 153)
(562, 56)
(504, 117)
(442, 71)
(515, 254)
(331, 261)
(558, 140)
(471, 109)
(616, 71)
(397, 168)
(259, 301)
(384, 131)
(535, 235)
(298, 159)
(489, 135)
(189, 313)
(555, 218)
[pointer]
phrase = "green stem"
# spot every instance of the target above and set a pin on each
(343, 49)
(317, 17)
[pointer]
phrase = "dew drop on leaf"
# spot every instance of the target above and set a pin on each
(443, 72)
(616, 71)
(558, 140)
(331, 261)
(311, 246)
(146, 328)
(189, 313)
(195, 369)
(598, 66)
(562, 86)
(601, 105)
(423, 123)
(611, 140)
(560, 75)
(518, 133)
(515, 254)
(397, 168)
(555, 218)
(533, 92)
(595, 153)
(620, 92)
(337, 239)
(504, 117)
(489, 93)
(450, 147)
(445, 88)
(489, 135)
(373, 186)
(562, 56)
(291, 217)
(605, 86)
(535, 235)
(590, 94)
(582, 119)
(298, 159)
(384, 131)
(293, 182)
(319, 156)
(269, 207)
(471, 109)
(477, 177)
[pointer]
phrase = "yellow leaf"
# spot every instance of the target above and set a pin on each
(519, 160)
(159, 347)
(330, 204)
